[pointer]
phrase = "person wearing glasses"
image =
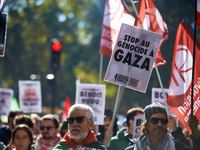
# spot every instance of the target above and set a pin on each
(154, 130)
(125, 135)
(80, 134)
(49, 136)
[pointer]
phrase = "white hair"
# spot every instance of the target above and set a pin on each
(88, 109)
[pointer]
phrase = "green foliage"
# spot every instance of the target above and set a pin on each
(77, 24)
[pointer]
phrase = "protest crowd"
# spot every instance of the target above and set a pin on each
(158, 131)
(148, 128)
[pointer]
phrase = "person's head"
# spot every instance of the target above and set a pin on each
(64, 128)
(80, 121)
(155, 120)
(23, 119)
(36, 120)
(108, 114)
(12, 115)
(130, 115)
(21, 138)
(49, 126)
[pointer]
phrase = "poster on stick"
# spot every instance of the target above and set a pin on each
(92, 95)
(30, 96)
(137, 126)
(157, 96)
(132, 60)
(6, 96)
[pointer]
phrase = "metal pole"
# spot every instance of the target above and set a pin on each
(117, 103)
(53, 92)
(158, 74)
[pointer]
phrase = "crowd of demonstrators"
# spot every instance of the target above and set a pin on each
(80, 134)
(105, 128)
(124, 136)
(49, 136)
(32, 132)
(155, 134)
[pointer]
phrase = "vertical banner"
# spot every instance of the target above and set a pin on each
(30, 96)
(6, 96)
(132, 60)
(3, 31)
(94, 96)
(179, 97)
(137, 126)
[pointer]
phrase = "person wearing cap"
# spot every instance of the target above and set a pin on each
(105, 128)
(124, 136)
(80, 135)
(155, 132)
(49, 136)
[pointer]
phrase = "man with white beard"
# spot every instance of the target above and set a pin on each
(80, 134)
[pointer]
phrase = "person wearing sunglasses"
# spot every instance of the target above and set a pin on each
(80, 134)
(155, 134)
(49, 136)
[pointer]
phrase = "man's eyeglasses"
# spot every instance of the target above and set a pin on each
(156, 120)
(49, 128)
(78, 119)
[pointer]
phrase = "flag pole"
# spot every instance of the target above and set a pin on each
(194, 47)
(158, 74)
(117, 103)
(100, 78)
(100, 68)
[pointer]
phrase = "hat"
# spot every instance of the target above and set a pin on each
(108, 113)
(151, 109)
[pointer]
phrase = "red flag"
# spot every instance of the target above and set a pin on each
(197, 21)
(67, 105)
(115, 13)
(153, 21)
(179, 96)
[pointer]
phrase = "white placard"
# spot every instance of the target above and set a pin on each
(6, 96)
(94, 96)
(132, 60)
(157, 96)
(30, 96)
(137, 126)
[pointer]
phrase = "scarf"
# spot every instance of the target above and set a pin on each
(67, 140)
(44, 144)
(165, 143)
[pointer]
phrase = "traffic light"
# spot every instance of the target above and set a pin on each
(56, 48)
